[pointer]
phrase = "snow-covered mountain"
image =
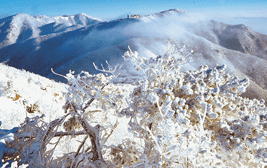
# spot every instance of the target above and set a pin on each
(235, 37)
(258, 24)
(213, 42)
(168, 12)
(201, 113)
(22, 27)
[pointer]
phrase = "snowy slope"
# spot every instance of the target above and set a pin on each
(24, 94)
(22, 27)
(241, 48)
(235, 37)
(258, 24)
(21, 90)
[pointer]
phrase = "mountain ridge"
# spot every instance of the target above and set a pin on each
(21, 27)
(213, 42)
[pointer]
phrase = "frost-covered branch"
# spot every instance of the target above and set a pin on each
(175, 119)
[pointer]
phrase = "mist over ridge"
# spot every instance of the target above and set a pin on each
(74, 42)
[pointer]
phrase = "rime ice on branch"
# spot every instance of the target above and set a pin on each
(177, 119)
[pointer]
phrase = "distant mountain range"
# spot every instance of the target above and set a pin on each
(74, 42)
(21, 27)
(258, 24)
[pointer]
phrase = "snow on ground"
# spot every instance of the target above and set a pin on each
(22, 91)
(24, 94)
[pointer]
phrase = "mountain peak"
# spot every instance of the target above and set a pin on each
(176, 10)
(83, 14)
(170, 11)
(20, 15)
(173, 10)
(84, 19)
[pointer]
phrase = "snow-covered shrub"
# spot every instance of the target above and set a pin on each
(36, 141)
(194, 118)
(177, 119)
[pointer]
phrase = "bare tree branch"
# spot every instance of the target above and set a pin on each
(83, 142)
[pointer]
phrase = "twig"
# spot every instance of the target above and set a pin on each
(92, 99)
(69, 133)
(57, 134)
(83, 142)
(187, 153)
(58, 74)
(200, 132)
(94, 137)
(51, 127)
(77, 164)
(115, 126)
(88, 148)
(54, 149)
(153, 137)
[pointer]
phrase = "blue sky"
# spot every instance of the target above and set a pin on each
(107, 9)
